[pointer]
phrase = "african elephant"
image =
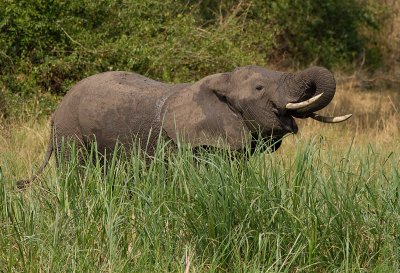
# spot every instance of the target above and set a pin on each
(227, 108)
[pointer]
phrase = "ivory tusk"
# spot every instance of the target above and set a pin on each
(300, 105)
(330, 119)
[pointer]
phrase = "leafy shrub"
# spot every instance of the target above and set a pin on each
(46, 46)
(326, 32)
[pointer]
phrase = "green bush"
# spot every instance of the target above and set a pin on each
(46, 46)
(325, 32)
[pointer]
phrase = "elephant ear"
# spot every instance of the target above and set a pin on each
(201, 115)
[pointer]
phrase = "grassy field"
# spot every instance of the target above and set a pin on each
(327, 200)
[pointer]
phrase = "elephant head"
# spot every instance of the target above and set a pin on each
(251, 100)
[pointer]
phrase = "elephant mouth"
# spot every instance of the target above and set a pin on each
(288, 125)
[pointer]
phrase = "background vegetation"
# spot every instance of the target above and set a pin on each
(48, 45)
(326, 201)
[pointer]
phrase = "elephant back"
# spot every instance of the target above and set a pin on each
(113, 106)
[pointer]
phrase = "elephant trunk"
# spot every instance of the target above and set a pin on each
(313, 89)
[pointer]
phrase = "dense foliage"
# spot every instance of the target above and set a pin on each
(47, 45)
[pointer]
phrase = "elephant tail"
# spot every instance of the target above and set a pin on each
(22, 183)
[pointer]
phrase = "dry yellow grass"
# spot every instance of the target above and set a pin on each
(375, 121)
(22, 147)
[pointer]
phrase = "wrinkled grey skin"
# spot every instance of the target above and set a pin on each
(227, 108)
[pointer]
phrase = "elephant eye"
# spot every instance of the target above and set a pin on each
(259, 87)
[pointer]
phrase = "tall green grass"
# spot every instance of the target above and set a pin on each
(320, 210)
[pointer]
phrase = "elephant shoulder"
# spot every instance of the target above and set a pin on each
(203, 120)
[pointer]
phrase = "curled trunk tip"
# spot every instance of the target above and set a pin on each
(312, 82)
